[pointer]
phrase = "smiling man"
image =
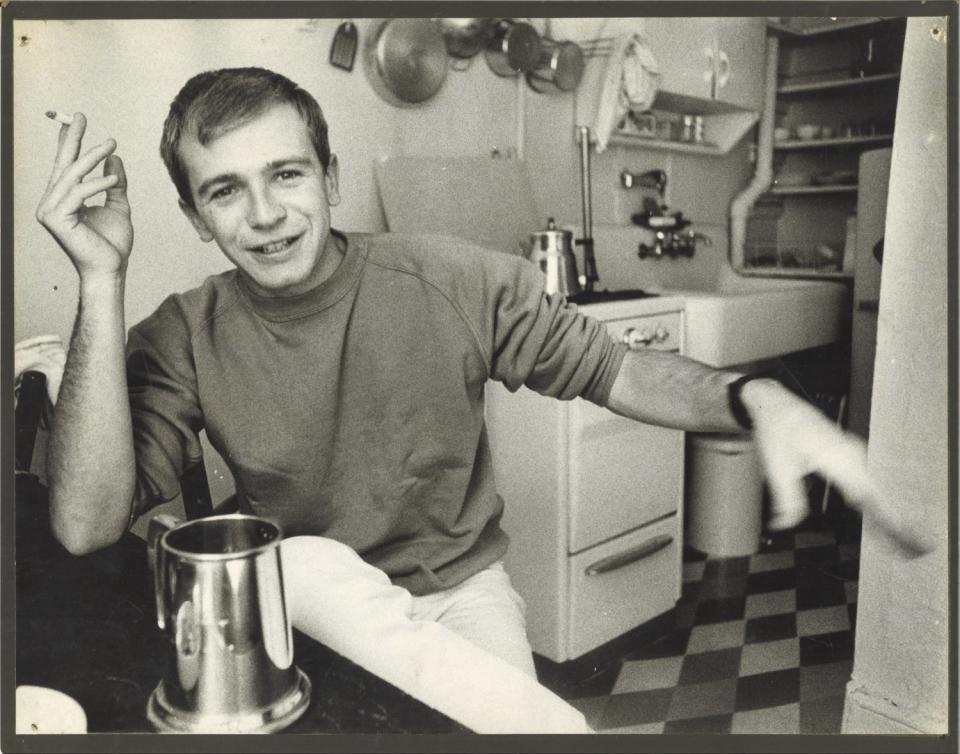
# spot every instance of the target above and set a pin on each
(342, 376)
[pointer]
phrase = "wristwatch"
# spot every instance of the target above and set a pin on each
(735, 402)
(781, 374)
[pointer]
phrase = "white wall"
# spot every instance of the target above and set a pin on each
(900, 678)
(123, 74)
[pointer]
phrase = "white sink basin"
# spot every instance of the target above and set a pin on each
(748, 319)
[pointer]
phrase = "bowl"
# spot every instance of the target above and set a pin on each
(781, 134)
(808, 131)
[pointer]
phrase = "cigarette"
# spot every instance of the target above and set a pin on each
(60, 117)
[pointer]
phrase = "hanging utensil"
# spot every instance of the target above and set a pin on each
(559, 69)
(465, 37)
(515, 48)
(343, 50)
(405, 60)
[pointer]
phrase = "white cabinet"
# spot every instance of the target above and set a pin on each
(711, 58)
(684, 48)
(709, 67)
(741, 61)
(593, 504)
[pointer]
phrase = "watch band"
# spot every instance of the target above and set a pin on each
(735, 402)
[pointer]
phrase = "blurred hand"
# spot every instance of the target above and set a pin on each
(98, 239)
(795, 439)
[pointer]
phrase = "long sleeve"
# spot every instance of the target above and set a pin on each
(164, 406)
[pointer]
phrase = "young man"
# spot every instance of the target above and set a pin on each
(341, 375)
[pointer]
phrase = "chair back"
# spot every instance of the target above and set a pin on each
(31, 395)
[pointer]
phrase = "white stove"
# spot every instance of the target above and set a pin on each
(594, 501)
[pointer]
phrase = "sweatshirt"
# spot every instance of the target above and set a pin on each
(355, 411)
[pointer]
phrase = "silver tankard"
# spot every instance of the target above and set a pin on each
(221, 607)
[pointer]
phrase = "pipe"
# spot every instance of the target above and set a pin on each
(763, 177)
(589, 260)
(521, 121)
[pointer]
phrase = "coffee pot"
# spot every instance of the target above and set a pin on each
(221, 608)
(552, 249)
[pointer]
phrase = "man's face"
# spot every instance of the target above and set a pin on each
(260, 192)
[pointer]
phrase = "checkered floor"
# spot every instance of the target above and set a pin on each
(760, 644)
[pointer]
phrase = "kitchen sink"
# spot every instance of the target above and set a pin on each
(743, 319)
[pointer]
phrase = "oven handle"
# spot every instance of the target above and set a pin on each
(641, 551)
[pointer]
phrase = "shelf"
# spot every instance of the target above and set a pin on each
(796, 272)
(624, 139)
(724, 125)
(830, 84)
(821, 26)
(841, 141)
(786, 190)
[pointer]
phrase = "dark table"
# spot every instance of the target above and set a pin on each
(87, 626)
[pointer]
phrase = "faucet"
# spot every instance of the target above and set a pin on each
(651, 179)
(673, 244)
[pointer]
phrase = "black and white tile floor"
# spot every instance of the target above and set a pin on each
(760, 644)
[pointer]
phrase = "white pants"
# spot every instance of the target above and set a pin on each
(486, 610)
(463, 651)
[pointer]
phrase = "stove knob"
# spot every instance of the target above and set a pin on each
(637, 340)
(662, 334)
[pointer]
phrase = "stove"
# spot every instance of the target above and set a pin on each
(598, 297)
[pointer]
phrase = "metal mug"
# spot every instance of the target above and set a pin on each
(220, 605)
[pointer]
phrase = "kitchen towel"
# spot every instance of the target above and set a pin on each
(43, 353)
(629, 84)
(351, 607)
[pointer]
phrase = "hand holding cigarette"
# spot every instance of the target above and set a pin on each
(98, 239)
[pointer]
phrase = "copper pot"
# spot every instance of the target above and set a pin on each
(515, 48)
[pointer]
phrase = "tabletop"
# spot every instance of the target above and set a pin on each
(86, 626)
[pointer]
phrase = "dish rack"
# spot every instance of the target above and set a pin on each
(818, 257)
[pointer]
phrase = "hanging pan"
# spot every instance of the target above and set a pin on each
(405, 60)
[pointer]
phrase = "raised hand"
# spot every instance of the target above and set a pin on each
(98, 239)
(795, 439)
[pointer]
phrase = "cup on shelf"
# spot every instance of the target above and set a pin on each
(780, 133)
(808, 131)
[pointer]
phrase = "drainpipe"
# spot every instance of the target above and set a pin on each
(743, 202)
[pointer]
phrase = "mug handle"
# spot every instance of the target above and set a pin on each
(159, 525)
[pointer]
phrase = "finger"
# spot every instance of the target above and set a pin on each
(68, 146)
(88, 160)
(74, 174)
(788, 503)
(784, 475)
(116, 194)
(80, 192)
(55, 173)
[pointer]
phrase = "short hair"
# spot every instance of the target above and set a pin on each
(213, 102)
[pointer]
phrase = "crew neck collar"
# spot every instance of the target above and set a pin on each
(322, 296)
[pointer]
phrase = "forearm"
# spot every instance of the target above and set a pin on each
(90, 459)
(673, 391)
